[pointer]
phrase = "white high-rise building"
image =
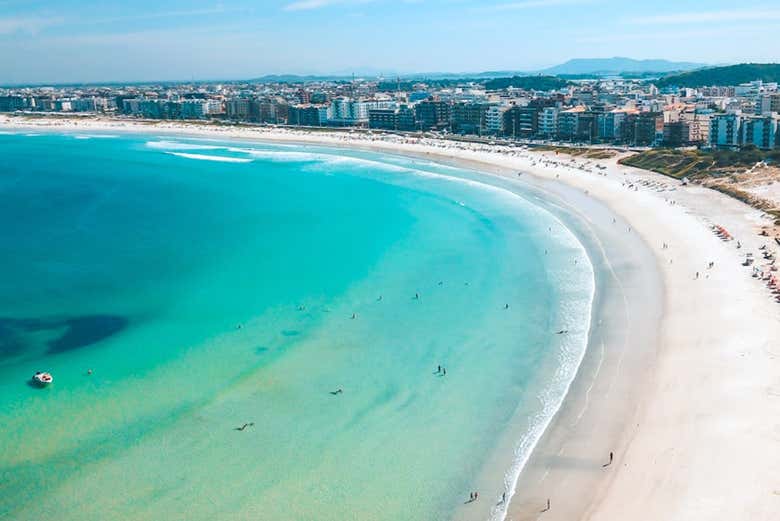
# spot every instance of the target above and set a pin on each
(494, 119)
(548, 121)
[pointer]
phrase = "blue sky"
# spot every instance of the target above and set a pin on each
(90, 40)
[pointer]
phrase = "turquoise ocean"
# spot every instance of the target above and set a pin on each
(178, 288)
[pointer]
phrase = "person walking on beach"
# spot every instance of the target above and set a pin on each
(547, 507)
(611, 457)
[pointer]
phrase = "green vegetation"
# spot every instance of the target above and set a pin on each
(730, 75)
(408, 85)
(719, 170)
(696, 164)
(542, 83)
(527, 82)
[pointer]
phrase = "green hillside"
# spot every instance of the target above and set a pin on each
(730, 75)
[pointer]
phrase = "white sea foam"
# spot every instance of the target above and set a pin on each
(204, 157)
(176, 145)
(95, 136)
(284, 157)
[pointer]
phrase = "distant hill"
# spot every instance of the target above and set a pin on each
(617, 65)
(457, 75)
(527, 82)
(730, 75)
(294, 78)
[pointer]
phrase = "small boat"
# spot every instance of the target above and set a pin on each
(42, 379)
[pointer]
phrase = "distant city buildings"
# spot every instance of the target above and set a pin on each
(604, 111)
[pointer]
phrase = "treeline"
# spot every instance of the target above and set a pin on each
(527, 83)
(541, 83)
(730, 75)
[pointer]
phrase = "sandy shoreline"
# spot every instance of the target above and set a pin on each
(689, 406)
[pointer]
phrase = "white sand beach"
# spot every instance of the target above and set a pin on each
(687, 397)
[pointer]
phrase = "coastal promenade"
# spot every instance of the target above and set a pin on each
(692, 421)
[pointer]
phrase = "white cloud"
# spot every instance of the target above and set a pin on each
(531, 4)
(308, 5)
(26, 24)
(733, 15)
(167, 14)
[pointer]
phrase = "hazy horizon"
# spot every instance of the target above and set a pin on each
(84, 41)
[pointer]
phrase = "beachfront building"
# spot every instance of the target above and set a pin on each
(469, 118)
(199, 108)
(575, 124)
(308, 115)
(13, 103)
(548, 122)
(725, 130)
(494, 120)
(760, 131)
(567, 123)
(89, 104)
(348, 112)
(643, 129)
(238, 109)
(521, 121)
(676, 133)
(274, 111)
(131, 106)
(194, 109)
(386, 119)
(648, 128)
(344, 111)
(401, 118)
(433, 114)
(698, 126)
(609, 124)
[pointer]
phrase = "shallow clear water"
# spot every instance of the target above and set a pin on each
(212, 284)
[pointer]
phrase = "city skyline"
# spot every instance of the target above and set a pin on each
(84, 41)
